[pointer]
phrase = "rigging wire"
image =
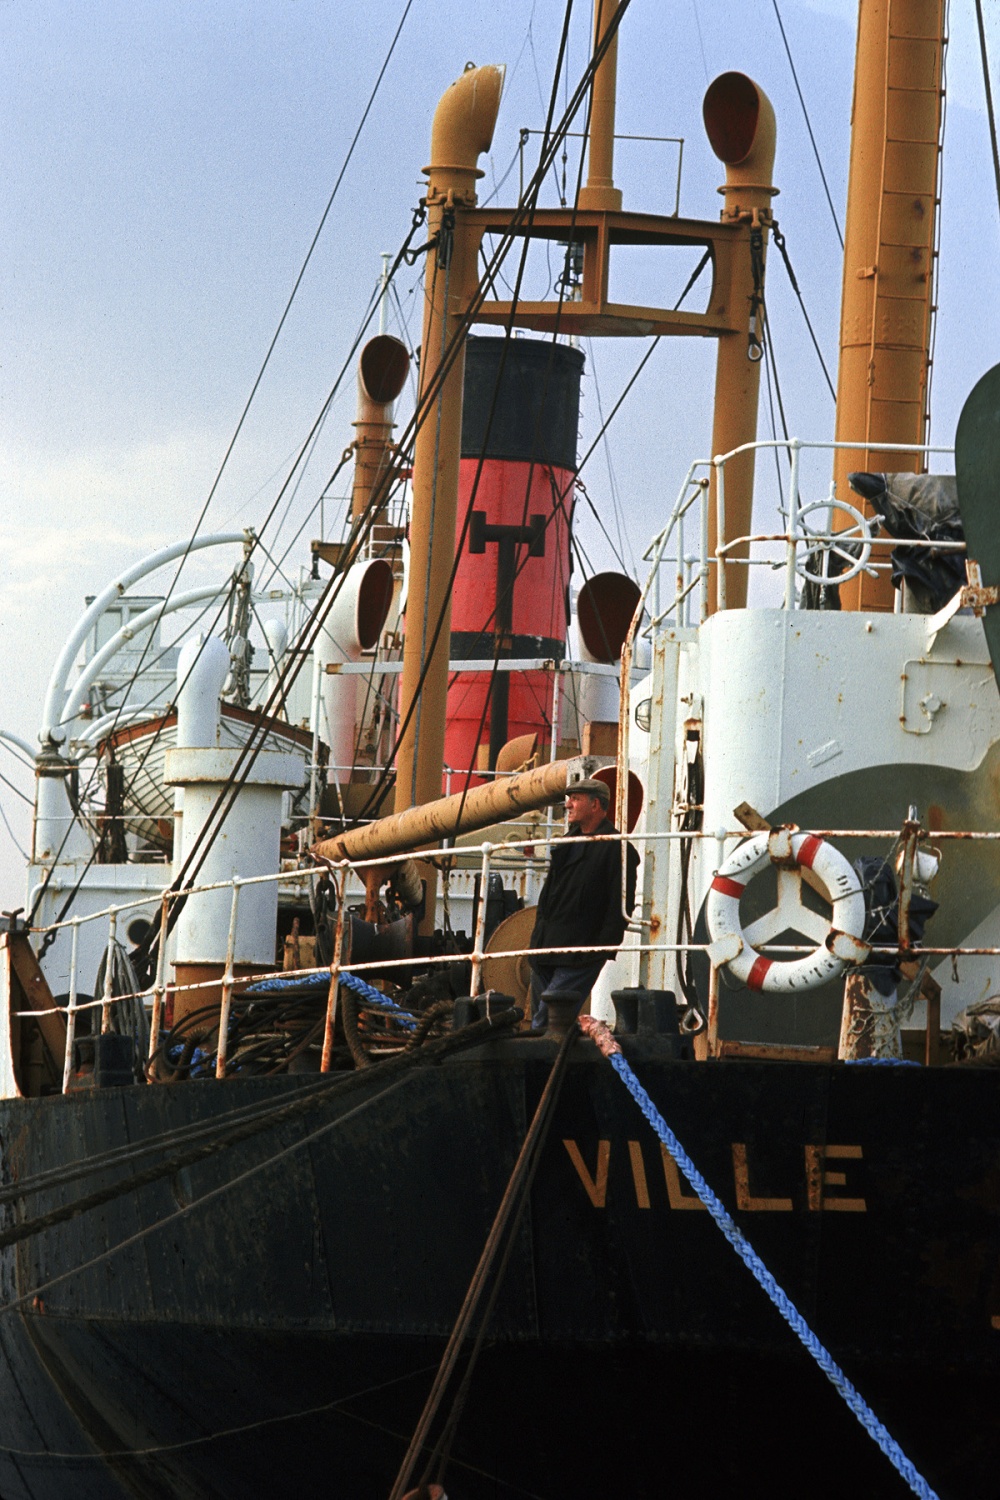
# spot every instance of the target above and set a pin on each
(561, 497)
(701, 41)
(936, 246)
(401, 1069)
(805, 113)
(774, 431)
(296, 657)
(488, 699)
(288, 306)
(769, 345)
(615, 502)
(249, 746)
(318, 429)
(525, 211)
(779, 240)
(984, 54)
(239, 426)
(13, 836)
(16, 790)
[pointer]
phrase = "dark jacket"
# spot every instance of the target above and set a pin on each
(581, 900)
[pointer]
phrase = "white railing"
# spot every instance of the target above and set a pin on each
(155, 996)
(692, 570)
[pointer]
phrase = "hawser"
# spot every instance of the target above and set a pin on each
(287, 1190)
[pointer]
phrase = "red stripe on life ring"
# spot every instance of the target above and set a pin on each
(810, 848)
(755, 979)
(727, 887)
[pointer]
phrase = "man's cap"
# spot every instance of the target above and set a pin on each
(593, 788)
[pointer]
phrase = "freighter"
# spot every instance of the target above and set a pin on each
(292, 1198)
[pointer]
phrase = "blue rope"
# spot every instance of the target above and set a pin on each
(788, 1311)
(372, 996)
(312, 982)
(882, 1062)
(304, 983)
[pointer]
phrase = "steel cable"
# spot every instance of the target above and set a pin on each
(397, 1068)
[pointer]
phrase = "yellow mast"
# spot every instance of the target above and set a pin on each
(600, 191)
(739, 121)
(463, 128)
(886, 309)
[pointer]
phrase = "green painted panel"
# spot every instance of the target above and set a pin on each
(977, 469)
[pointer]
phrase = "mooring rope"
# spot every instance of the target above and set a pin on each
(492, 1262)
(599, 1033)
(372, 996)
(403, 1064)
(366, 992)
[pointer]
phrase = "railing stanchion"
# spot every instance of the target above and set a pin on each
(477, 946)
(338, 949)
(159, 988)
(71, 1006)
(227, 985)
(109, 968)
(720, 535)
(793, 522)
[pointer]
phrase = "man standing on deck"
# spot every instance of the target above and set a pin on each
(581, 902)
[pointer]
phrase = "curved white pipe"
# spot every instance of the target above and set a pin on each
(352, 626)
(202, 669)
(18, 744)
(150, 616)
(60, 672)
(276, 637)
(96, 729)
(355, 618)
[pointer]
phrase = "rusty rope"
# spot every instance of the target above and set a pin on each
(496, 1251)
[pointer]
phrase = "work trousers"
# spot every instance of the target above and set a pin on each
(577, 979)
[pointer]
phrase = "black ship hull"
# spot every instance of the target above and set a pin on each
(284, 1334)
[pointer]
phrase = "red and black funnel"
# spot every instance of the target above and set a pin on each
(519, 434)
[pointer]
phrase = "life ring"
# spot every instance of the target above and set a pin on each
(843, 944)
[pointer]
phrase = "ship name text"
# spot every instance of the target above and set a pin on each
(826, 1190)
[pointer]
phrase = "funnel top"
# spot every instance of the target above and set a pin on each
(383, 367)
(731, 111)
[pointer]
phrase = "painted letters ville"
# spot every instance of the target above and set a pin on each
(825, 1190)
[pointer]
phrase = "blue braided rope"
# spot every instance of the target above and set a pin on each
(882, 1062)
(374, 997)
(787, 1309)
(320, 980)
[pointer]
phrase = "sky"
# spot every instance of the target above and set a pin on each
(164, 168)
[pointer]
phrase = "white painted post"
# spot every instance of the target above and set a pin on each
(71, 1007)
(314, 768)
(477, 946)
(109, 971)
(159, 988)
(793, 524)
(331, 999)
(720, 537)
(227, 985)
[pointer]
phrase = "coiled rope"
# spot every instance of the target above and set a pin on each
(367, 992)
(599, 1033)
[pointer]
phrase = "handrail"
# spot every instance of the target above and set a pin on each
(792, 536)
(156, 993)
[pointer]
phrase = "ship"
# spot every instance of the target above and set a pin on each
(291, 1196)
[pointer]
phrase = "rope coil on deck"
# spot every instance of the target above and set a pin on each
(599, 1033)
(367, 992)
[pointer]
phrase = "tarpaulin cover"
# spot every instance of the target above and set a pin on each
(919, 507)
(975, 1031)
(878, 881)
